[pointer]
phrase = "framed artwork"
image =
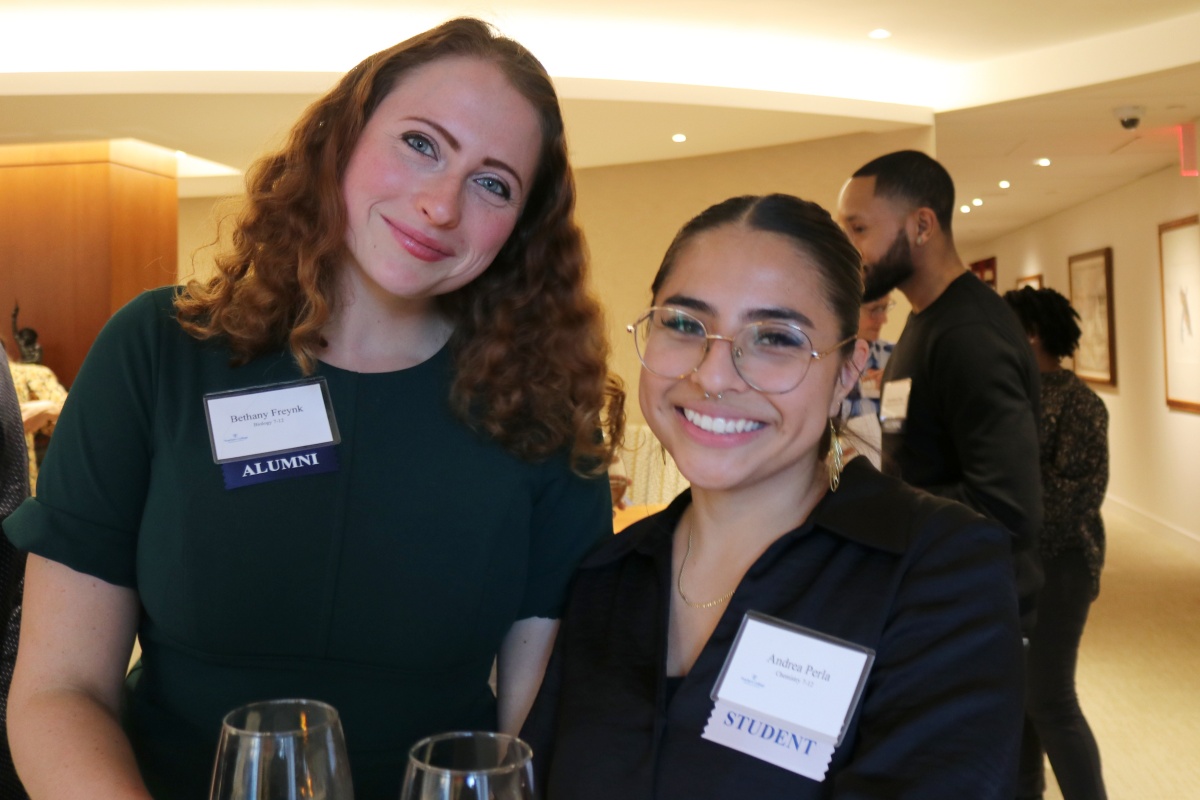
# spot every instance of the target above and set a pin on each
(1032, 281)
(1179, 264)
(985, 270)
(1091, 295)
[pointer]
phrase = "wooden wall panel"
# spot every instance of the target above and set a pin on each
(79, 236)
(54, 244)
(145, 238)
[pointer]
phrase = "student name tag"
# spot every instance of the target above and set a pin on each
(271, 432)
(786, 694)
(893, 405)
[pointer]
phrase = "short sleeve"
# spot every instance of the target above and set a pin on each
(571, 516)
(93, 482)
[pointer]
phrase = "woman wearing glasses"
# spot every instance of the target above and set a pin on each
(784, 626)
(864, 396)
(860, 409)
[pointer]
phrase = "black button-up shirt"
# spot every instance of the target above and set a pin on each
(924, 582)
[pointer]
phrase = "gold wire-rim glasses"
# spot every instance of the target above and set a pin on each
(737, 353)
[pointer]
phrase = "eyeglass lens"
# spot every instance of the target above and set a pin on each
(876, 309)
(769, 356)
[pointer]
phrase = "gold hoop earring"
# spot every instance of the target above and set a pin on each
(834, 461)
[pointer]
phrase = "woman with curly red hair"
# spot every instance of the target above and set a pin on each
(357, 465)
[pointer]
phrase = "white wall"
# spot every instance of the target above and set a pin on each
(198, 221)
(1154, 451)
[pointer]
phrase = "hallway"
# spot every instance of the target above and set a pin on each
(1139, 666)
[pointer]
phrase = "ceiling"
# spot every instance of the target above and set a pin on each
(1003, 84)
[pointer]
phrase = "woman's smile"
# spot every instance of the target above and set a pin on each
(425, 248)
(721, 425)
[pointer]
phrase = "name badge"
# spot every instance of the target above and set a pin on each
(893, 406)
(271, 432)
(786, 694)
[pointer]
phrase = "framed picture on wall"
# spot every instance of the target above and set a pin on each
(985, 270)
(1091, 295)
(1179, 265)
(1032, 281)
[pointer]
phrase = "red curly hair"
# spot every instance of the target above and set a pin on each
(529, 345)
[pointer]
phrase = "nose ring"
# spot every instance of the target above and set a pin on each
(708, 396)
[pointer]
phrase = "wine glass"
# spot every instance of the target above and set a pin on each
(470, 765)
(282, 750)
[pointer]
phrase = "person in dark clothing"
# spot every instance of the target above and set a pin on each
(960, 396)
(1075, 475)
(747, 354)
(14, 488)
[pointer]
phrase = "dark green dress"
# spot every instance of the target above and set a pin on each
(383, 588)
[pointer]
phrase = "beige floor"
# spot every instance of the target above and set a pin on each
(1139, 667)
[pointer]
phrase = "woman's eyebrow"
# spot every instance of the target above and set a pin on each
(789, 314)
(689, 303)
(756, 315)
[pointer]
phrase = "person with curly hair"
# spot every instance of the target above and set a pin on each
(1074, 460)
(359, 465)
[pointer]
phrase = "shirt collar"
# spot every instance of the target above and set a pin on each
(867, 508)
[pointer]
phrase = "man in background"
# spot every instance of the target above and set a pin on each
(861, 406)
(958, 409)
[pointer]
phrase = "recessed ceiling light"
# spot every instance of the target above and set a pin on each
(679, 137)
(978, 201)
(1005, 184)
(1043, 162)
(880, 33)
(965, 209)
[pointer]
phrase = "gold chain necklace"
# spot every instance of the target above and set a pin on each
(679, 582)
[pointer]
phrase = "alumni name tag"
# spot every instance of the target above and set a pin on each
(272, 432)
(786, 694)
